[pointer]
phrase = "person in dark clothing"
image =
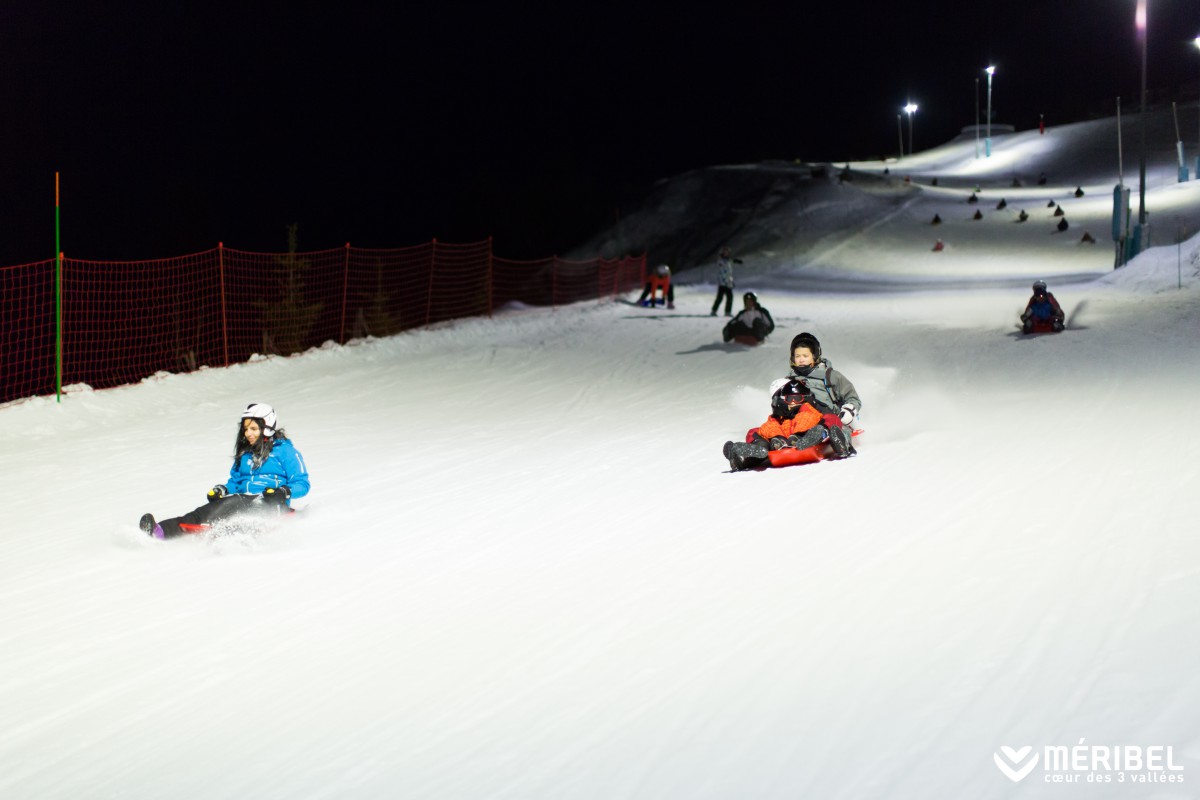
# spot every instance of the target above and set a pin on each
(1042, 310)
(753, 320)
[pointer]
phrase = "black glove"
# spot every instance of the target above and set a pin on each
(277, 495)
(217, 492)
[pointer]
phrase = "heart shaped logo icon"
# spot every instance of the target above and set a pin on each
(1010, 763)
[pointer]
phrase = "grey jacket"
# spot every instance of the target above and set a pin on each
(830, 387)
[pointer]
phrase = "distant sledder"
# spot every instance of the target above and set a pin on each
(803, 427)
(1042, 313)
(752, 325)
(659, 282)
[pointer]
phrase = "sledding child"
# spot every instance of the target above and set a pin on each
(268, 473)
(833, 393)
(753, 321)
(1042, 309)
(794, 422)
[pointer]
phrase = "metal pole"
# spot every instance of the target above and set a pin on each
(1120, 150)
(900, 133)
(910, 136)
(1141, 26)
(988, 142)
(977, 117)
(1196, 42)
(58, 344)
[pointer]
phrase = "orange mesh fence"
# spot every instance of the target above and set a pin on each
(124, 321)
(27, 330)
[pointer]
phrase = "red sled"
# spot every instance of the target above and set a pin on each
(790, 456)
(1043, 326)
(746, 338)
(204, 527)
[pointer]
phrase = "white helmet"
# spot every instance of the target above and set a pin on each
(265, 413)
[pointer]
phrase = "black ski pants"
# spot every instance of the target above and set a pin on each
(727, 293)
(228, 506)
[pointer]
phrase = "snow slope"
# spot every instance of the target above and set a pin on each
(525, 572)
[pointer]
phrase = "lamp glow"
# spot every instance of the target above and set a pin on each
(910, 109)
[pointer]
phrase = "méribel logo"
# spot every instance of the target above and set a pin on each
(1013, 763)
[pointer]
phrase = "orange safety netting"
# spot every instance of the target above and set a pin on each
(124, 321)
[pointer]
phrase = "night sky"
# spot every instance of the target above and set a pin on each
(175, 128)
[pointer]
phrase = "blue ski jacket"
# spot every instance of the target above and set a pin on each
(283, 467)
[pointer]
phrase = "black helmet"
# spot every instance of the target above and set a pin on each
(787, 399)
(1039, 287)
(806, 339)
(750, 296)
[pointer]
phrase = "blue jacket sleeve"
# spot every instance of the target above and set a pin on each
(297, 473)
(234, 484)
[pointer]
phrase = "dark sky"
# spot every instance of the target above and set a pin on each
(176, 126)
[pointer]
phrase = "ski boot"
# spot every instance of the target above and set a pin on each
(151, 528)
(839, 440)
(745, 455)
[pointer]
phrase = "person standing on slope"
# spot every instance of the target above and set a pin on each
(725, 281)
(268, 472)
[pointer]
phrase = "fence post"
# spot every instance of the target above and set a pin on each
(429, 293)
(58, 347)
(224, 315)
(491, 277)
(57, 299)
(345, 282)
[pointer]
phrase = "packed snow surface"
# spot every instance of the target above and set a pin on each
(526, 572)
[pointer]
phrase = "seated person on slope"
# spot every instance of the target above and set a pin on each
(1042, 309)
(794, 422)
(268, 472)
(833, 393)
(753, 320)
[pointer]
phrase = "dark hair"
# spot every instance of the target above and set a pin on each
(260, 450)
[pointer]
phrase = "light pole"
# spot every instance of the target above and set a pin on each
(1196, 42)
(1140, 21)
(911, 108)
(977, 117)
(900, 134)
(987, 145)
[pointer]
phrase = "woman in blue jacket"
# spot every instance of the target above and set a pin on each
(268, 473)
